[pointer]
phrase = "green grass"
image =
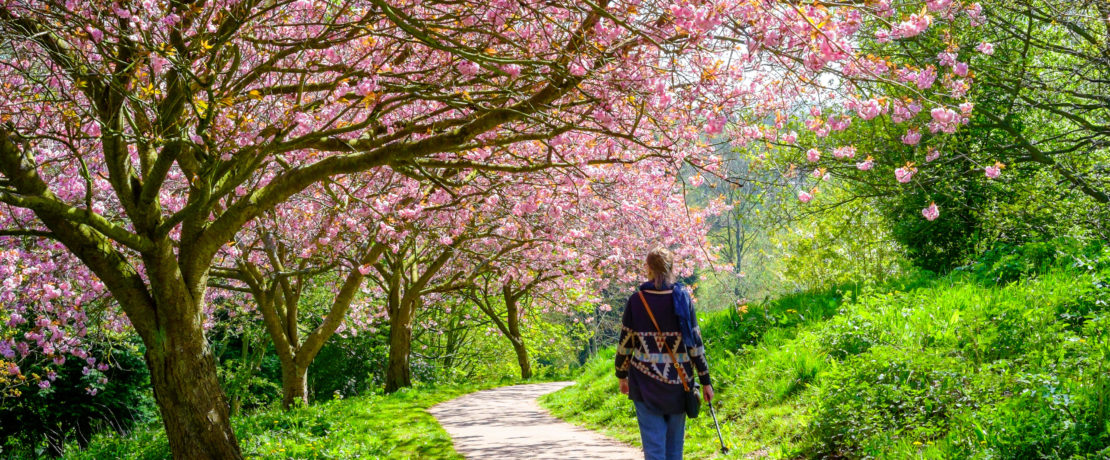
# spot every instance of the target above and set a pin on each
(394, 426)
(949, 367)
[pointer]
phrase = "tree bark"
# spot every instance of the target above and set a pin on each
(294, 385)
(515, 337)
(193, 406)
(398, 375)
(522, 358)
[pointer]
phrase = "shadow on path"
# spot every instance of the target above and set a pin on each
(507, 423)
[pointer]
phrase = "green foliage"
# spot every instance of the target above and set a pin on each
(839, 240)
(372, 426)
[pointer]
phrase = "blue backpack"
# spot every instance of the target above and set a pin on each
(684, 309)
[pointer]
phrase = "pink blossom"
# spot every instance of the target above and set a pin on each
(926, 77)
(122, 13)
(931, 213)
(866, 165)
(995, 170)
(577, 70)
(986, 48)
(44, 384)
(870, 109)
(947, 59)
(467, 68)
(790, 138)
(975, 12)
(932, 154)
(813, 155)
(914, 26)
(944, 115)
(944, 119)
(905, 173)
(92, 129)
(966, 108)
(804, 197)
(512, 69)
(960, 69)
(96, 34)
(715, 124)
(883, 8)
(938, 5)
(913, 137)
(839, 123)
(845, 152)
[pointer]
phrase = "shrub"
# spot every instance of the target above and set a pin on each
(1006, 263)
(41, 422)
(886, 394)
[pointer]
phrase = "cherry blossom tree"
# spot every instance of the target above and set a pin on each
(588, 228)
(144, 135)
(305, 241)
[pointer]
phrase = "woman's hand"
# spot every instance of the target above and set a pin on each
(624, 386)
(707, 392)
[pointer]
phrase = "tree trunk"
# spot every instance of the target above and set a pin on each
(522, 358)
(294, 384)
(193, 406)
(513, 312)
(398, 375)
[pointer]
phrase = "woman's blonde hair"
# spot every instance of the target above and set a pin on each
(660, 267)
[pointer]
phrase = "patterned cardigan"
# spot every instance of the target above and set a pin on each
(642, 348)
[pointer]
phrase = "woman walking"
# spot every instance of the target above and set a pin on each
(659, 345)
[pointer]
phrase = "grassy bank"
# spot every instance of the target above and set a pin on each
(394, 426)
(952, 367)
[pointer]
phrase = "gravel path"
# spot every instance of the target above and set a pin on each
(507, 423)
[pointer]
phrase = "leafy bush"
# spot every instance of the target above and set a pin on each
(887, 393)
(1007, 263)
(349, 366)
(42, 421)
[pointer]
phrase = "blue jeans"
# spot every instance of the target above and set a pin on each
(661, 434)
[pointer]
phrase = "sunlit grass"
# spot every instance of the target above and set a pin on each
(394, 426)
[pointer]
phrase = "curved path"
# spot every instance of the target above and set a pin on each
(507, 423)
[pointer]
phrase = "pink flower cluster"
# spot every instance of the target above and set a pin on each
(905, 173)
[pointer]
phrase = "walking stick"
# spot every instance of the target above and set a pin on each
(724, 450)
